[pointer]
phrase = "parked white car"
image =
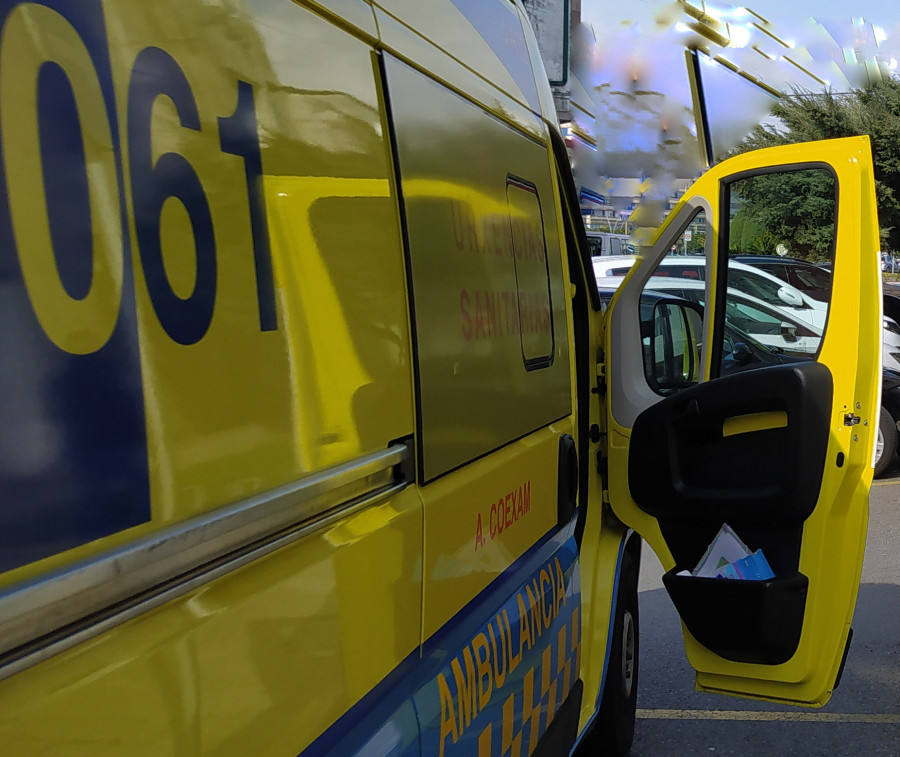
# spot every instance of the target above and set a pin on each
(756, 283)
(769, 325)
(744, 278)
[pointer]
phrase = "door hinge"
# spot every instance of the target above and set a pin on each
(601, 379)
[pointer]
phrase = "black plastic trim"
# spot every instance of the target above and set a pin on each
(393, 144)
(743, 621)
(567, 480)
(570, 198)
(544, 361)
(840, 674)
(705, 136)
(563, 730)
(763, 477)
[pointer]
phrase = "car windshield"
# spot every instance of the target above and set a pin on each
(757, 286)
(813, 280)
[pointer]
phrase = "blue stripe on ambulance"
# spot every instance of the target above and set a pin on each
(498, 686)
(73, 443)
(534, 674)
(383, 722)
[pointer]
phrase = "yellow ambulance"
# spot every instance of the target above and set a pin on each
(316, 436)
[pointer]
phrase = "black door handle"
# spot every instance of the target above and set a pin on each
(567, 480)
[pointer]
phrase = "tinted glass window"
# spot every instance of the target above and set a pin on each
(761, 287)
(532, 273)
(771, 327)
(693, 272)
(775, 269)
(486, 278)
(787, 213)
(815, 281)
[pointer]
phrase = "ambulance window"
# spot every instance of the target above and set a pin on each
(532, 274)
(788, 216)
(486, 283)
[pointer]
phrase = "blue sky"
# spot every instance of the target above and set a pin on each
(632, 22)
(880, 11)
(634, 53)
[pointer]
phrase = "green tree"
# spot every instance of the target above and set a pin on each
(874, 110)
(791, 208)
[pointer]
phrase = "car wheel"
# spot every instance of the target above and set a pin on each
(886, 444)
(613, 730)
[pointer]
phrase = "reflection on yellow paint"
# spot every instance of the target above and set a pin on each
(362, 524)
(324, 364)
(243, 409)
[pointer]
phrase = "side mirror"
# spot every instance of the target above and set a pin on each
(791, 297)
(789, 331)
(672, 356)
(741, 353)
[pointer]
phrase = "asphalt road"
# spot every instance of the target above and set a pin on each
(863, 716)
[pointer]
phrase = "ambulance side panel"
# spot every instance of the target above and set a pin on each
(206, 369)
(494, 408)
(287, 384)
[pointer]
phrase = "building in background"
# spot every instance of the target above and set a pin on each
(646, 108)
(614, 142)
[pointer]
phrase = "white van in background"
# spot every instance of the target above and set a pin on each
(609, 244)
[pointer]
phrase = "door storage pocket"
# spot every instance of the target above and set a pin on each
(742, 621)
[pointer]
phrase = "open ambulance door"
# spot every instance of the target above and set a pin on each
(711, 424)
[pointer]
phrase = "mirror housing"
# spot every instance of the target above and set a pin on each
(672, 345)
(791, 297)
(789, 331)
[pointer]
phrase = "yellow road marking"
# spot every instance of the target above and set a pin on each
(893, 482)
(797, 717)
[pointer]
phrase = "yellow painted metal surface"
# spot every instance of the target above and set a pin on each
(240, 409)
(245, 227)
(834, 535)
(406, 43)
(478, 523)
(355, 15)
(484, 246)
(498, 52)
(600, 553)
(231, 669)
(247, 261)
(746, 424)
(240, 406)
